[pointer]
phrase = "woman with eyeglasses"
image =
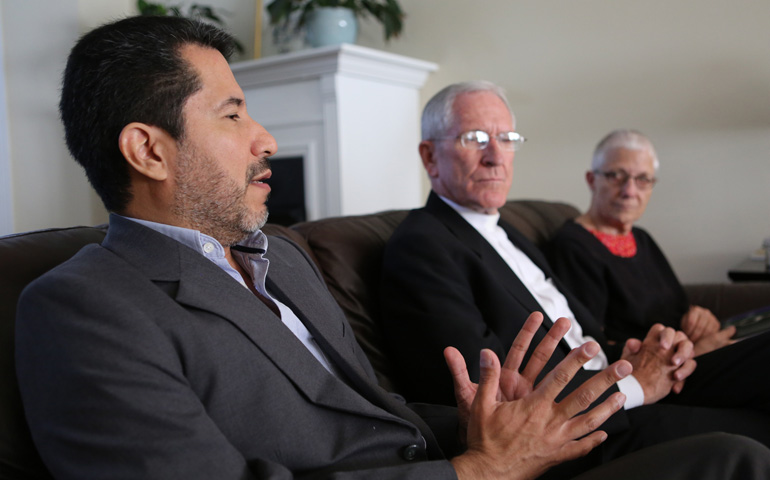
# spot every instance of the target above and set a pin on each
(615, 268)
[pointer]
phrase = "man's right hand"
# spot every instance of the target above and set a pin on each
(516, 431)
(662, 361)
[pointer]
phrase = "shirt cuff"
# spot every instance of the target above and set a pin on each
(633, 391)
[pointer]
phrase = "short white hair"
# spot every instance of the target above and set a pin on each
(623, 138)
(438, 114)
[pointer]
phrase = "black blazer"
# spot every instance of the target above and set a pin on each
(444, 285)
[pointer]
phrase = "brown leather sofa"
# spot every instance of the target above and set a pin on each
(348, 251)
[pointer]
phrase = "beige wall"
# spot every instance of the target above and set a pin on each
(693, 74)
(49, 188)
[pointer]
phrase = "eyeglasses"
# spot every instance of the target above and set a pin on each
(479, 139)
(619, 178)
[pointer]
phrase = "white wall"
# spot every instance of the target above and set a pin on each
(48, 188)
(6, 192)
(693, 74)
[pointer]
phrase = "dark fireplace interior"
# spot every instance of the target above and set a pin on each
(287, 196)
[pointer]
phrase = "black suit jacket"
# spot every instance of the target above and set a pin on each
(140, 358)
(444, 285)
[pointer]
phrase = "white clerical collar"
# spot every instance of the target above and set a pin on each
(483, 222)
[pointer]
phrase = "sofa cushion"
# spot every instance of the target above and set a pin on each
(728, 299)
(537, 220)
(349, 251)
(23, 258)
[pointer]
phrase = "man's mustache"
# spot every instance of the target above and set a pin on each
(255, 169)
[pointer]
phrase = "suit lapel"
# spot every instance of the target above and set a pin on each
(471, 238)
(200, 284)
(330, 334)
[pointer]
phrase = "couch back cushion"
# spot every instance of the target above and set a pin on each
(537, 220)
(23, 258)
(349, 252)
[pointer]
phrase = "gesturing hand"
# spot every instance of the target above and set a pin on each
(516, 429)
(513, 384)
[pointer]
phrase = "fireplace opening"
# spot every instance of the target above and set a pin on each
(287, 191)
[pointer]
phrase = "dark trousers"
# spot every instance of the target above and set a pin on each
(716, 456)
(728, 392)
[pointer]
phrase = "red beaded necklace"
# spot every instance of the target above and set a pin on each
(623, 245)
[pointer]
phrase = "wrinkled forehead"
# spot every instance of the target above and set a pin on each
(482, 110)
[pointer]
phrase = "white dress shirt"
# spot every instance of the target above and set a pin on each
(550, 299)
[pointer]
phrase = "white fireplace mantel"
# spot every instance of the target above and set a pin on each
(352, 113)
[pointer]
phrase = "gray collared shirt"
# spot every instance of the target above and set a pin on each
(255, 264)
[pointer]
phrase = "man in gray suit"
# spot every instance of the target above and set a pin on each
(169, 352)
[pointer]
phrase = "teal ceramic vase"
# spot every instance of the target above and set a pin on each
(331, 26)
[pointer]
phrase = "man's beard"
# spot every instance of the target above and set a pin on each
(210, 202)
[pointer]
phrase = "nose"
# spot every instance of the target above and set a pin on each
(629, 187)
(494, 154)
(263, 144)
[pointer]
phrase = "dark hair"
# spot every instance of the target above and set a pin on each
(128, 71)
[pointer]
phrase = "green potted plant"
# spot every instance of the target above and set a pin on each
(387, 12)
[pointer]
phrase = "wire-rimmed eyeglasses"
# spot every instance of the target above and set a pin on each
(479, 139)
(620, 177)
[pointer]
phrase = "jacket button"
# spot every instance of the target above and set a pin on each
(410, 452)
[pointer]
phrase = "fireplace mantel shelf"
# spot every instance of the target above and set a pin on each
(352, 113)
(345, 59)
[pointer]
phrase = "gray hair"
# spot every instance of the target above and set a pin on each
(623, 138)
(438, 114)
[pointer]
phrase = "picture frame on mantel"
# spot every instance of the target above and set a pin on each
(258, 16)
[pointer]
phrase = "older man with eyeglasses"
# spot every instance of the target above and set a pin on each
(616, 269)
(455, 275)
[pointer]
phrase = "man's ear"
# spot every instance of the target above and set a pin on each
(147, 149)
(427, 154)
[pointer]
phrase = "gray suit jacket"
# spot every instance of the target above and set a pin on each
(139, 358)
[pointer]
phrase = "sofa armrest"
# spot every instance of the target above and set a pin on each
(728, 299)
